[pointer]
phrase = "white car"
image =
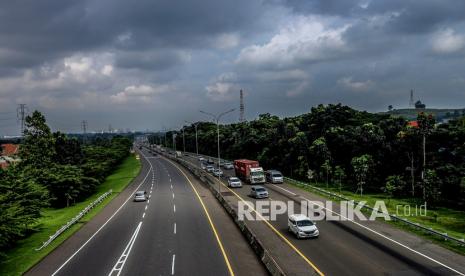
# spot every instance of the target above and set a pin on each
(228, 166)
(140, 196)
(209, 168)
(218, 172)
(201, 159)
(234, 182)
(302, 226)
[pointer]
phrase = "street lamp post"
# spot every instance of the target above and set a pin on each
(183, 141)
(217, 118)
(196, 139)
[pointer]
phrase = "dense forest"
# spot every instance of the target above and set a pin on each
(356, 150)
(55, 171)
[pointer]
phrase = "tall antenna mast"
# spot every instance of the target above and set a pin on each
(412, 102)
(241, 107)
(21, 113)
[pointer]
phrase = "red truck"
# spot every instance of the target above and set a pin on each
(249, 171)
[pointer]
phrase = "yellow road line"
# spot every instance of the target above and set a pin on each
(225, 256)
(274, 230)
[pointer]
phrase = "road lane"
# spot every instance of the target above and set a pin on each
(345, 248)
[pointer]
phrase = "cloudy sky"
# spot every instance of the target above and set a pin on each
(150, 64)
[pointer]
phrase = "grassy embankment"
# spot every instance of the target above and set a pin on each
(23, 256)
(443, 220)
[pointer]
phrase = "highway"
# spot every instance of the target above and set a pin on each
(352, 248)
(177, 231)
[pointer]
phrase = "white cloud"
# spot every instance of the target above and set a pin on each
(227, 41)
(223, 88)
(305, 39)
(139, 93)
(299, 89)
(447, 41)
(358, 86)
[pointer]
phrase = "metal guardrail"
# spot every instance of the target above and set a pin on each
(415, 225)
(75, 219)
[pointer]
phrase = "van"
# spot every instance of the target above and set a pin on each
(302, 226)
(273, 176)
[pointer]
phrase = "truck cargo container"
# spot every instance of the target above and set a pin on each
(249, 171)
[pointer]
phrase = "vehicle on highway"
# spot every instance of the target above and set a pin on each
(203, 165)
(140, 196)
(273, 176)
(234, 182)
(210, 161)
(201, 159)
(258, 192)
(228, 166)
(302, 226)
(217, 172)
(249, 171)
(209, 168)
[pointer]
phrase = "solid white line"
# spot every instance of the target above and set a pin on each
(118, 267)
(101, 227)
(284, 189)
(143, 215)
(172, 264)
(174, 228)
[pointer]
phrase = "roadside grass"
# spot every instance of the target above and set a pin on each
(443, 220)
(24, 256)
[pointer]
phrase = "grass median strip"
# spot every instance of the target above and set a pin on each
(23, 256)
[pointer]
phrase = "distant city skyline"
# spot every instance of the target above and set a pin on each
(158, 63)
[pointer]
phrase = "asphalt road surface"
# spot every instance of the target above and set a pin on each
(354, 248)
(172, 233)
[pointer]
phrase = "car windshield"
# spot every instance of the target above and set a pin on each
(304, 223)
(260, 190)
(234, 179)
(256, 173)
(277, 175)
(139, 193)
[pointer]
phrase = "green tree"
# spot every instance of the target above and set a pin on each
(425, 127)
(394, 183)
(361, 166)
(37, 149)
(339, 175)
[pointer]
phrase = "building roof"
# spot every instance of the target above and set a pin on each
(412, 124)
(9, 149)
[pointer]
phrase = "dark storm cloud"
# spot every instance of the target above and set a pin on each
(32, 32)
(77, 56)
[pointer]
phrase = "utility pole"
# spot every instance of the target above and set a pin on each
(183, 141)
(241, 107)
(196, 137)
(412, 102)
(217, 119)
(21, 113)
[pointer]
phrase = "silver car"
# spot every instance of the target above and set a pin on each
(209, 168)
(140, 196)
(258, 192)
(228, 166)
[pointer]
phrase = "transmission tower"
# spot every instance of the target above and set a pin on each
(412, 102)
(84, 127)
(21, 113)
(241, 107)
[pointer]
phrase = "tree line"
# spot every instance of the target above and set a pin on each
(55, 171)
(353, 150)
